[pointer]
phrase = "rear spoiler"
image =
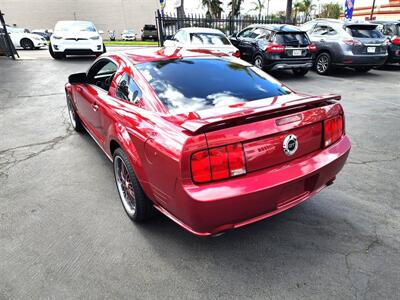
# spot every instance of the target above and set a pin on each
(198, 125)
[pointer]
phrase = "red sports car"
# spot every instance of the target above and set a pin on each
(208, 140)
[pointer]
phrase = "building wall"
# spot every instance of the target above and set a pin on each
(105, 14)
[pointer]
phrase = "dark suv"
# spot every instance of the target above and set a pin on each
(275, 47)
(391, 30)
(346, 44)
(149, 32)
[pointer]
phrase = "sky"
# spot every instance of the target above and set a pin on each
(194, 6)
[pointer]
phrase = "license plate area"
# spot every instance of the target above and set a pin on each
(297, 52)
(371, 49)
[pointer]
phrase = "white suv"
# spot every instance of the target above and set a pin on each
(75, 38)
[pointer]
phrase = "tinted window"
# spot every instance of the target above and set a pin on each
(102, 73)
(193, 84)
(324, 30)
(363, 32)
(291, 39)
(246, 33)
(200, 38)
(128, 90)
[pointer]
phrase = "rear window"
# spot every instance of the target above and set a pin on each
(149, 27)
(193, 84)
(364, 32)
(214, 39)
(291, 39)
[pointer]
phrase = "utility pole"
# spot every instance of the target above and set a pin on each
(372, 10)
(289, 11)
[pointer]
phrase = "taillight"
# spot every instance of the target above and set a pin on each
(333, 130)
(236, 54)
(218, 163)
(395, 40)
(312, 48)
(275, 48)
(352, 42)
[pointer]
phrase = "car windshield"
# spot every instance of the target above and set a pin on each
(75, 26)
(193, 84)
(364, 32)
(205, 38)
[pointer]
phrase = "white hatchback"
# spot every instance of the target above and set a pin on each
(75, 38)
(203, 39)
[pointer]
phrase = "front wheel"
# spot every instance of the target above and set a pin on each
(259, 61)
(136, 204)
(73, 116)
(55, 55)
(299, 72)
(27, 44)
(323, 64)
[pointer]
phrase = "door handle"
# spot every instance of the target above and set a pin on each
(95, 106)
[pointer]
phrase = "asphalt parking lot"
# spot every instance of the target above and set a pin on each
(64, 233)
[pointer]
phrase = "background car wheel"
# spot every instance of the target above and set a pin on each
(27, 44)
(299, 72)
(136, 204)
(55, 55)
(73, 116)
(323, 63)
(259, 61)
(363, 69)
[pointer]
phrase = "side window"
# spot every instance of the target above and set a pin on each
(388, 30)
(262, 34)
(102, 73)
(321, 30)
(181, 37)
(308, 26)
(128, 90)
(246, 33)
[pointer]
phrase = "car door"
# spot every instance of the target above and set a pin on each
(92, 95)
(242, 41)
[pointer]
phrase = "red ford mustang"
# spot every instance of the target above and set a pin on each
(208, 140)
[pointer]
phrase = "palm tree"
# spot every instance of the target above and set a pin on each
(258, 6)
(235, 7)
(298, 6)
(307, 8)
(289, 4)
(214, 8)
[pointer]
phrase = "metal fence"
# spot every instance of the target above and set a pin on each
(169, 24)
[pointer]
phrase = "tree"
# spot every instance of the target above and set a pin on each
(307, 7)
(289, 5)
(235, 7)
(331, 10)
(214, 8)
(298, 7)
(258, 6)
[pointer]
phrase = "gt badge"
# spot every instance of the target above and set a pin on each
(290, 145)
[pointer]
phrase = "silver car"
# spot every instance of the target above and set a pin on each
(346, 44)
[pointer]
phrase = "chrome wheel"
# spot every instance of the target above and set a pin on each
(322, 63)
(124, 185)
(258, 62)
(71, 112)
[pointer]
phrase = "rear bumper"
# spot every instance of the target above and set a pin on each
(212, 208)
(289, 64)
(362, 60)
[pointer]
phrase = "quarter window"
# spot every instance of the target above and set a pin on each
(128, 90)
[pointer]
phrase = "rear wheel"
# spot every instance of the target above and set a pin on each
(259, 61)
(323, 63)
(136, 204)
(363, 69)
(299, 72)
(27, 44)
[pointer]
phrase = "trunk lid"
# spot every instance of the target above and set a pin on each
(370, 40)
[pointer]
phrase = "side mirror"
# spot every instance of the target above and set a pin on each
(169, 43)
(101, 31)
(77, 78)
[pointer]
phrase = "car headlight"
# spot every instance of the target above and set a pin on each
(57, 37)
(95, 37)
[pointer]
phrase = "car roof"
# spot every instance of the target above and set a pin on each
(386, 22)
(278, 27)
(150, 54)
(201, 29)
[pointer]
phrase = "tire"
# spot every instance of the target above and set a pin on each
(55, 55)
(363, 69)
(135, 202)
(300, 72)
(27, 44)
(258, 61)
(323, 63)
(74, 119)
